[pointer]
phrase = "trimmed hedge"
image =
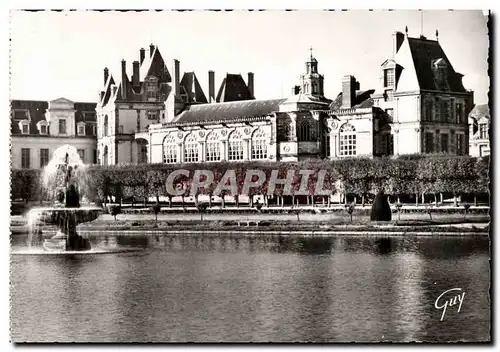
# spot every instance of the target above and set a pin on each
(406, 175)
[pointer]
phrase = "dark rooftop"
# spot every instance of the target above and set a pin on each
(229, 110)
(424, 52)
(363, 100)
(233, 88)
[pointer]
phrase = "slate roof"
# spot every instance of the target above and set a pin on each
(363, 100)
(480, 110)
(192, 88)
(37, 109)
(233, 88)
(229, 110)
(424, 52)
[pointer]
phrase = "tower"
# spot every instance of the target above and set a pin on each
(312, 81)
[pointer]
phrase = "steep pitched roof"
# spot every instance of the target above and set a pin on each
(228, 110)
(233, 88)
(192, 88)
(35, 111)
(363, 100)
(154, 64)
(480, 111)
(424, 53)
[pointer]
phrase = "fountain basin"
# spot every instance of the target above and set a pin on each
(66, 219)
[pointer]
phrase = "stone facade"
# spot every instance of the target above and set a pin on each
(479, 131)
(38, 128)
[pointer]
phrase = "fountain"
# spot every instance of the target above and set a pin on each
(63, 178)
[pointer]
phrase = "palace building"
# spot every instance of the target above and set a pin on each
(38, 128)
(159, 116)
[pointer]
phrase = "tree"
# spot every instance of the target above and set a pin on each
(350, 208)
(202, 208)
(156, 209)
(381, 210)
(114, 210)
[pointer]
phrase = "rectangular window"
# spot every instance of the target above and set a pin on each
(62, 126)
(458, 113)
(191, 153)
(348, 144)
(153, 115)
(259, 149)
(235, 150)
(94, 130)
(213, 151)
(44, 158)
(444, 143)
(389, 78)
(445, 111)
(81, 130)
(170, 154)
(81, 154)
(95, 156)
(26, 129)
(429, 142)
(326, 145)
(483, 131)
(460, 144)
(389, 95)
(43, 129)
(428, 111)
(25, 158)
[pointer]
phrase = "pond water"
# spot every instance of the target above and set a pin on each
(260, 289)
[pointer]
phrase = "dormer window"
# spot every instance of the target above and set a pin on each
(62, 126)
(153, 115)
(81, 129)
(24, 126)
(152, 88)
(42, 127)
(389, 77)
(440, 69)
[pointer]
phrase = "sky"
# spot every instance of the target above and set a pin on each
(63, 54)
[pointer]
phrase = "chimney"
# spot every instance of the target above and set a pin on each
(175, 79)
(250, 84)
(135, 74)
(398, 39)
(211, 87)
(151, 49)
(106, 75)
(349, 86)
(142, 54)
(124, 80)
(295, 90)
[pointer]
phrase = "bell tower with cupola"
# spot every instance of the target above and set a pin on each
(312, 81)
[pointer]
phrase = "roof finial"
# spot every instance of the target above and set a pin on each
(311, 50)
(406, 30)
(437, 35)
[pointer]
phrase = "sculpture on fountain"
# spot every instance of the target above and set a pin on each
(63, 178)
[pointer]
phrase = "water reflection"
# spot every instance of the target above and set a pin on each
(256, 288)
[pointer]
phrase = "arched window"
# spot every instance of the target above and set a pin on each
(105, 156)
(170, 149)
(191, 154)
(259, 145)
(105, 127)
(235, 144)
(213, 147)
(305, 131)
(347, 140)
